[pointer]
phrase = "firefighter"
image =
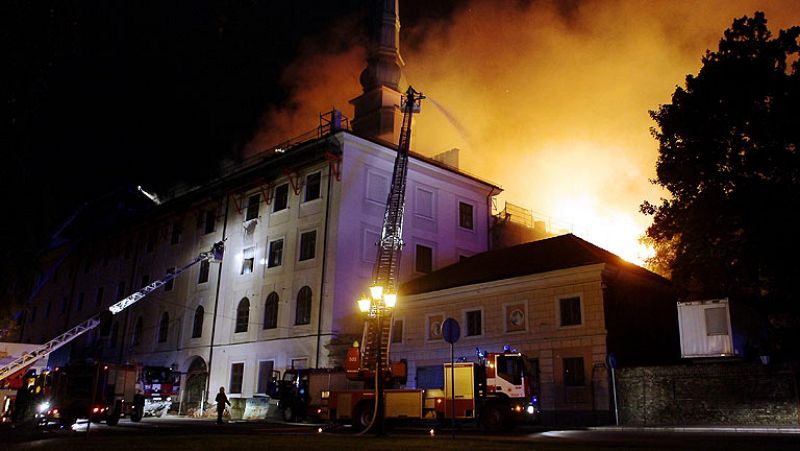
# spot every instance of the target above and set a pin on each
(221, 401)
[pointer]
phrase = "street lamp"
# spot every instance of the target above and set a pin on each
(380, 303)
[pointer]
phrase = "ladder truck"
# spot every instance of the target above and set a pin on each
(21, 363)
(497, 391)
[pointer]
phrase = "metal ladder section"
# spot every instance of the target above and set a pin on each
(215, 254)
(378, 332)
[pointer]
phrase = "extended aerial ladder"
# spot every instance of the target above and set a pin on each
(377, 334)
(215, 254)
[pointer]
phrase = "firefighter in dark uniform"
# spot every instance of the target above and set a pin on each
(221, 401)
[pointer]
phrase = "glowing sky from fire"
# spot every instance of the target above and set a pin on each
(550, 104)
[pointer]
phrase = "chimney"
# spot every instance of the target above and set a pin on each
(377, 109)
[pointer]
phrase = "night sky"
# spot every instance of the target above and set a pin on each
(107, 94)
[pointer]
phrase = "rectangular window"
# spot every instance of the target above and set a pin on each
(465, 215)
(145, 280)
(300, 363)
(377, 187)
(308, 245)
(79, 302)
(573, 372)
(120, 290)
(248, 259)
(210, 222)
(424, 203)
(175, 238)
(570, 311)
(424, 259)
(252, 207)
(473, 323)
(265, 368)
(237, 375)
(98, 299)
(716, 321)
(275, 253)
(313, 182)
(281, 198)
(204, 267)
(397, 331)
(171, 283)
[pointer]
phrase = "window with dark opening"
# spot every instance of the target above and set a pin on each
(197, 324)
(237, 374)
(570, 311)
(163, 327)
(473, 323)
(242, 315)
(397, 331)
(265, 368)
(281, 198)
(275, 253)
(138, 328)
(424, 259)
(308, 244)
(203, 276)
(312, 186)
(171, 282)
(248, 260)
(465, 215)
(252, 207)
(573, 372)
(303, 312)
(98, 299)
(210, 222)
(271, 311)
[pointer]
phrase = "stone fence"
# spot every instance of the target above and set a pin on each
(709, 393)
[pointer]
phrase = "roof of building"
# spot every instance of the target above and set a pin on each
(561, 252)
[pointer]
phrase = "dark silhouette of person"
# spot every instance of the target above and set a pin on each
(221, 401)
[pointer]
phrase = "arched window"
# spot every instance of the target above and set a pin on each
(163, 327)
(242, 315)
(138, 327)
(271, 311)
(197, 327)
(112, 337)
(303, 313)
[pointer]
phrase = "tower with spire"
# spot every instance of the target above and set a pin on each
(377, 109)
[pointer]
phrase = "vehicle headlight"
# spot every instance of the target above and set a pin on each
(43, 407)
(326, 394)
(531, 410)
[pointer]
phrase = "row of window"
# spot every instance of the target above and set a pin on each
(569, 310)
(242, 321)
(307, 251)
(264, 377)
(377, 190)
(280, 198)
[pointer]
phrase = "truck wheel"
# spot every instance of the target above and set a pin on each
(494, 418)
(362, 415)
(113, 418)
(288, 414)
(136, 415)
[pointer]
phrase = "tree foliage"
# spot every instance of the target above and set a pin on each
(729, 157)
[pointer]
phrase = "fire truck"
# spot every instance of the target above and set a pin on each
(104, 392)
(111, 384)
(497, 391)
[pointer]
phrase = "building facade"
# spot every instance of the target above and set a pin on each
(563, 302)
(300, 227)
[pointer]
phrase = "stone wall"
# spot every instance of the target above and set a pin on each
(720, 393)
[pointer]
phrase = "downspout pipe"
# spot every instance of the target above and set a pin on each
(216, 298)
(324, 265)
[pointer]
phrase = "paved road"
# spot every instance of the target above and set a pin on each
(594, 438)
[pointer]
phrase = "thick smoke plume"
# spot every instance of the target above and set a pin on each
(550, 101)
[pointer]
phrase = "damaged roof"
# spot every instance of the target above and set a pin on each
(561, 252)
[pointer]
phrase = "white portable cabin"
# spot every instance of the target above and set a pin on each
(705, 329)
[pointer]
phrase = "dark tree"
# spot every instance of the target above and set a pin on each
(728, 155)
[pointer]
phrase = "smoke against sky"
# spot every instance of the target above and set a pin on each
(550, 102)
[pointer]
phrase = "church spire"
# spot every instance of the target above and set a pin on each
(377, 110)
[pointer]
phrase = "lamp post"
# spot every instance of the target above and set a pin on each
(379, 304)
